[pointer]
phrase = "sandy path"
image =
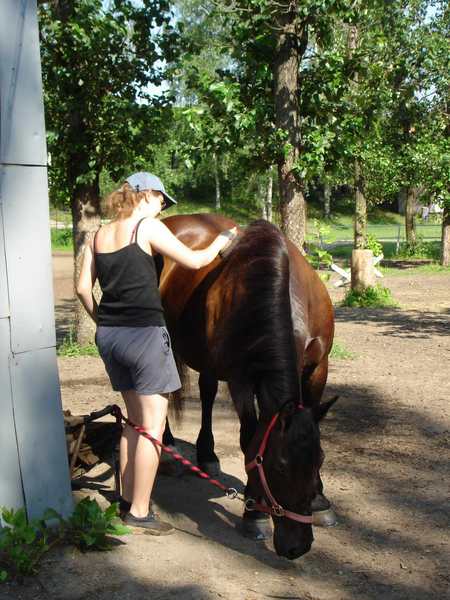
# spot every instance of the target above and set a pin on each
(386, 470)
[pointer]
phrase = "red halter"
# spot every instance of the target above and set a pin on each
(274, 508)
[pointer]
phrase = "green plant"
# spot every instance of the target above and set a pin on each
(373, 244)
(69, 347)
(89, 527)
(22, 542)
(340, 352)
(419, 249)
(62, 238)
(372, 297)
(317, 255)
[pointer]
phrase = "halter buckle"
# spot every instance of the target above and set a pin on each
(231, 493)
(259, 459)
(250, 504)
(278, 511)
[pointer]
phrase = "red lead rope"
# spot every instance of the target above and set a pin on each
(229, 492)
(250, 504)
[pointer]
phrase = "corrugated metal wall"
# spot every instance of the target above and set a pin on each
(33, 460)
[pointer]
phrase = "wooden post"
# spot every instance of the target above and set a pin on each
(363, 273)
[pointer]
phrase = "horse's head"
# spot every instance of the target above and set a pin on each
(283, 462)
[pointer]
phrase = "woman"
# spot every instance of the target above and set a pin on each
(131, 334)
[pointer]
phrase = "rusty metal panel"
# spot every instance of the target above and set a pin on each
(22, 122)
(28, 257)
(4, 302)
(10, 481)
(40, 432)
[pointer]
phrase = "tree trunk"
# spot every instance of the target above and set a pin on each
(217, 180)
(445, 248)
(286, 89)
(327, 200)
(360, 211)
(360, 222)
(410, 210)
(86, 220)
(268, 208)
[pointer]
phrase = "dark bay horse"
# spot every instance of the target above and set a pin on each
(260, 319)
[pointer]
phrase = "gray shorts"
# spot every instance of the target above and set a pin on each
(138, 358)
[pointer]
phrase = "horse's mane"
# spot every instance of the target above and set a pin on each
(256, 340)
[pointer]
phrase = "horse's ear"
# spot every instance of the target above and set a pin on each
(321, 410)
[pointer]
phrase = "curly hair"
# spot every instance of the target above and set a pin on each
(122, 201)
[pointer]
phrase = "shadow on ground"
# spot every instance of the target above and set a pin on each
(397, 322)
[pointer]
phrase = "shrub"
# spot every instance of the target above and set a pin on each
(62, 238)
(372, 297)
(373, 244)
(419, 249)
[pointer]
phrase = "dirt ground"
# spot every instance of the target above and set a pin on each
(386, 471)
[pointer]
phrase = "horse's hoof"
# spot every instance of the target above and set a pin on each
(257, 529)
(212, 468)
(324, 518)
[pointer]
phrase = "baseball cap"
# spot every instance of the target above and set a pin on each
(147, 181)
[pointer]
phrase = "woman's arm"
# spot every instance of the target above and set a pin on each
(85, 285)
(163, 241)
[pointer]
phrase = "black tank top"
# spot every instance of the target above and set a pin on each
(130, 286)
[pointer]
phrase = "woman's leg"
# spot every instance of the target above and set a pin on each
(139, 457)
(128, 447)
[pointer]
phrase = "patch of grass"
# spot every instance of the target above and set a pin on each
(431, 268)
(372, 297)
(70, 347)
(340, 352)
(62, 239)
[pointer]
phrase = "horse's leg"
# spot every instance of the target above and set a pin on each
(168, 439)
(255, 525)
(206, 457)
(167, 465)
(313, 386)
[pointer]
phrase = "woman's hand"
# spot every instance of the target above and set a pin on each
(162, 240)
(225, 238)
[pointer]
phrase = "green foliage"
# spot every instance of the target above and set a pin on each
(373, 244)
(23, 543)
(90, 528)
(419, 249)
(317, 255)
(71, 348)
(340, 352)
(62, 239)
(372, 297)
(99, 63)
